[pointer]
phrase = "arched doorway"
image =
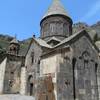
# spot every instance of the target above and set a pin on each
(30, 85)
(73, 66)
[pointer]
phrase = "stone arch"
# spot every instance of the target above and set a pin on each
(85, 58)
(32, 57)
(96, 67)
(30, 85)
(73, 66)
(97, 85)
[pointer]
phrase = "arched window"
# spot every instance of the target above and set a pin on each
(96, 67)
(66, 29)
(73, 65)
(52, 27)
(32, 57)
(38, 67)
(30, 85)
(96, 73)
(86, 56)
(59, 28)
(45, 29)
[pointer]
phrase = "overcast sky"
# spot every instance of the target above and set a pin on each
(22, 17)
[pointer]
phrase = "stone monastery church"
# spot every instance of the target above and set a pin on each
(60, 65)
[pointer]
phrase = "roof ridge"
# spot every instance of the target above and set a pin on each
(54, 38)
(42, 42)
(14, 40)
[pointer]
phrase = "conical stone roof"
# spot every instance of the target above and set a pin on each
(56, 8)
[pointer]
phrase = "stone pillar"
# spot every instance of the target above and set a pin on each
(55, 85)
(98, 80)
(23, 81)
(2, 74)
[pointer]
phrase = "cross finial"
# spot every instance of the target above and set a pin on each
(56, 0)
(15, 36)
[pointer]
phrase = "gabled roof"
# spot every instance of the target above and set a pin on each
(56, 8)
(75, 36)
(42, 43)
(54, 38)
(69, 38)
(55, 51)
(14, 41)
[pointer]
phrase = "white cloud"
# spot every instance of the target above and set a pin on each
(92, 12)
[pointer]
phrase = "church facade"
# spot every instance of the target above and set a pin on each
(60, 65)
(63, 65)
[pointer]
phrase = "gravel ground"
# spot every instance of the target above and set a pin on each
(16, 97)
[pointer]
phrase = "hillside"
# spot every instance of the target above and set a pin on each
(5, 40)
(93, 30)
(97, 28)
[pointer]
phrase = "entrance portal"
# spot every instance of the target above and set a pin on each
(30, 85)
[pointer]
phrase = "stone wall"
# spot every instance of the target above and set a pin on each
(32, 63)
(2, 75)
(45, 89)
(58, 26)
(59, 65)
(23, 78)
(12, 77)
(48, 65)
(85, 70)
(65, 75)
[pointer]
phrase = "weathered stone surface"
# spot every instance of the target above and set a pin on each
(23, 85)
(49, 65)
(45, 89)
(2, 74)
(12, 76)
